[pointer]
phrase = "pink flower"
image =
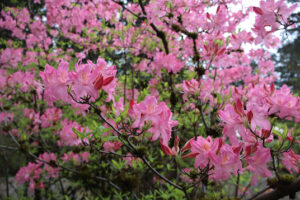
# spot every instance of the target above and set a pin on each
(68, 137)
(225, 162)
(10, 56)
(167, 150)
(207, 152)
(30, 58)
(191, 86)
(83, 80)
(50, 116)
(51, 171)
(290, 161)
(47, 157)
(56, 82)
(283, 103)
(159, 115)
(76, 158)
(233, 122)
(6, 117)
(257, 163)
(163, 126)
(235, 118)
(144, 111)
(29, 173)
(29, 113)
(202, 149)
(258, 117)
(89, 78)
(86, 80)
(268, 14)
(85, 156)
(130, 159)
(67, 157)
(169, 62)
(112, 146)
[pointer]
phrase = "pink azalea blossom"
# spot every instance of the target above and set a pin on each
(56, 82)
(159, 115)
(68, 137)
(290, 161)
(269, 12)
(76, 158)
(202, 149)
(50, 171)
(50, 116)
(169, 62)
(257, 163)
(226, 162)
(112, 146)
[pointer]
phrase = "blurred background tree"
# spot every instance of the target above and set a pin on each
(288, 58)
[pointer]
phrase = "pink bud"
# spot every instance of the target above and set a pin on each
(258, 10)
(98, 83)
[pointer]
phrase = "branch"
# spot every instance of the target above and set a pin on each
(259, 193)
(125, 8)
(237, 185)
(159, 33)
(161, 176)
(132, 147)
(281, 191)
(58, 165)
(8, 148)
(202, 116)
(74, 171)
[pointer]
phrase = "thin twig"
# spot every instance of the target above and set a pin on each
(6, 174)
(202, 117)
(125, 8)
(274, 165)
(113, 153)
(259, 193)
(161, 176)
(237, 184)
(159, 33)
(14, 139)
(245, 191)
(63, 167)
(8, 148)
(74, 171)
(135, 151)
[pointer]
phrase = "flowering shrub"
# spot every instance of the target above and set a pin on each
(147, 100)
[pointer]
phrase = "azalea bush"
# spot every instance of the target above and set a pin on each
(113, 99)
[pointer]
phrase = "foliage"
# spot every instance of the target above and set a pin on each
(145, 100)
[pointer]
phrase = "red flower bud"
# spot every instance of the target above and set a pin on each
(258, 10)
(98, 83)
(108, 80)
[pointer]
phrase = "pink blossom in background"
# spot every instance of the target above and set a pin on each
(50, 116)
(29, 173)
(10, 57)
(169, 62)
(50, 171)
(76, 158)
(67, 136)
(290, 161)
(56, 82)
(257, 163)
(112, 146)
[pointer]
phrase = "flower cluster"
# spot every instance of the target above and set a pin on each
(85, 81)
(159, 115)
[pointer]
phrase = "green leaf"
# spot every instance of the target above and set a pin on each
(110, 138)
(119, 165)
(79, 134)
